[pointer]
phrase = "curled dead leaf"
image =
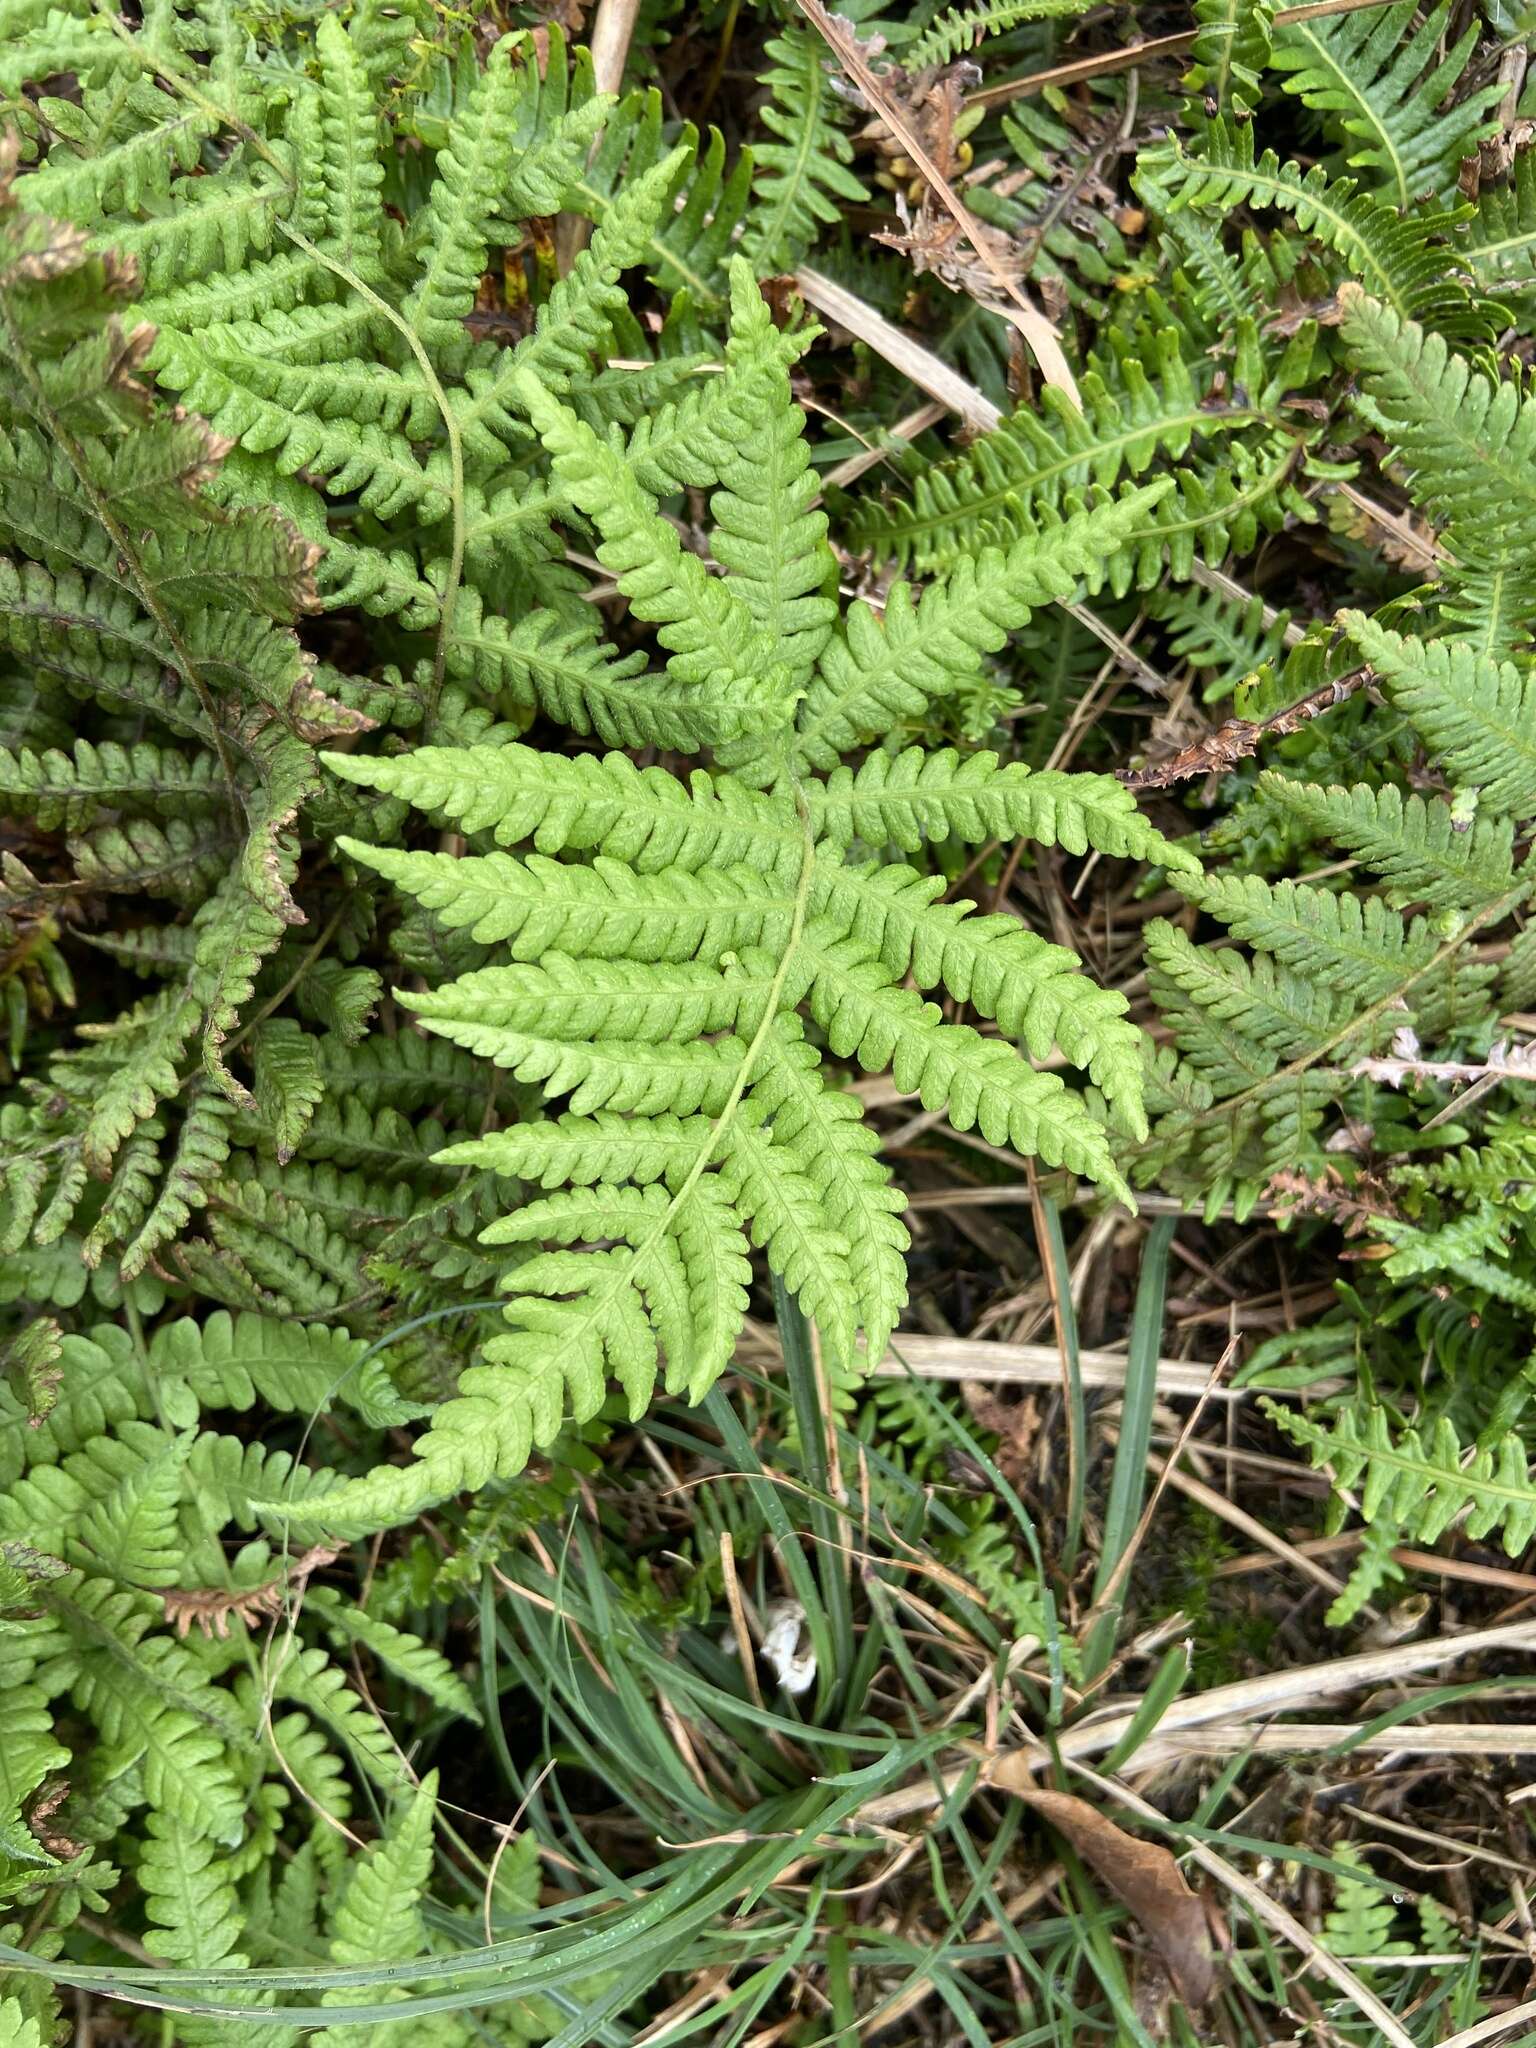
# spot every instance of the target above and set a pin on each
(1142, 1875)
(1216, 752)
(212, 1608)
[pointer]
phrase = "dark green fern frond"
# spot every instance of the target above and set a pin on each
(960, 29)
(1139, 405)
(803, 181)
(1399, 259)
(1233, 48)
(1423, 850)
(1498, 243)
(1380, 78)
(1476, 714)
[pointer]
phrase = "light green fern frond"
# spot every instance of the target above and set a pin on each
(1359, 1922)
(1421, 1480)
(378, 1919)
(880, 668)
(657, 989)
(1141, 403)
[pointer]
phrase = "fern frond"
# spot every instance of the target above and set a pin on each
(29, 1753)
(202, 1146)
(1385, 85)
(575, 323)
(1421, 1480)
(311, 1681)
(979, 1083)
(1233, 48)
(1498, 244)
(1236, 1019)
(1399, 259)
(132, 1532)
(1359, 1922)
(378, 1916)
(706, 206)
(1348, 943)
(351, 174)
(713, 639)
(823, 1130)
(193, 1907)
(1425, 851)
(1138, 405)
(803, 179)
(479, 176)
(883, 668)
(1373, 1570)
(1468, 442)
(287, 1083)
(768, 535)
(918, 796)
(153, 1707)
(959, 29)
(1476, 714)
(398, 1651)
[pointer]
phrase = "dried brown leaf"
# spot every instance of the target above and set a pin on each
(1142, 1875)
(1215, 752)
(213, 1608)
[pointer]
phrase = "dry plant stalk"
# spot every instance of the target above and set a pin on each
(1041, 336)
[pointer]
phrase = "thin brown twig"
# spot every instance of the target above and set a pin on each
(1133, 54)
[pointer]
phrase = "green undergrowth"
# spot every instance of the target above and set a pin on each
(543, 800)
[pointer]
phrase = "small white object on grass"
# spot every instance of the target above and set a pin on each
(786, 1647)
